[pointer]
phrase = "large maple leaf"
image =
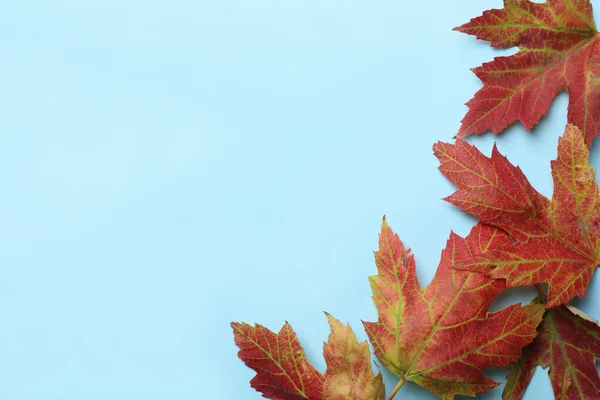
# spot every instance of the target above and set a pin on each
(556, 241)
(441, 337)
(284, 373)
(568, 342)
(558, 48)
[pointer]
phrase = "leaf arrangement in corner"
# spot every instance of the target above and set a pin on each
(411, 336)
(442, 337)
(554, 241)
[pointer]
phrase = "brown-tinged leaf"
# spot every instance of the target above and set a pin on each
(284, 373)
(569, 344)
(558, 49)
(349, 374)
(441, 337)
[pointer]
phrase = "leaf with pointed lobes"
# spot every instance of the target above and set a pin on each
(569, 343)
(559, 48)
(442, 337)
(555, 241)
(284, 373)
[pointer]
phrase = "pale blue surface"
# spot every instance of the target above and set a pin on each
(168, 167)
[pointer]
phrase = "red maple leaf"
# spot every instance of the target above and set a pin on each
(441, 337)
(558, 49)
(284, 373)
(568, 342)
(556, 241)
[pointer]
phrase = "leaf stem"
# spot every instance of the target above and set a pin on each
(398, 386)
(539, 289)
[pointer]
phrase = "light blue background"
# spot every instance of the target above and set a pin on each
(168, 167)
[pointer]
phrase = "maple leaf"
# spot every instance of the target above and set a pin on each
(556, 241)
(558, 48)
(284, 373)
(441, 337)
(568, 342)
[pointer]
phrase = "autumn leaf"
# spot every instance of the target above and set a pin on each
(349, 374)
(570, 344)
(441, 337)
(558, 49)
(284, 373)
(556, 241)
